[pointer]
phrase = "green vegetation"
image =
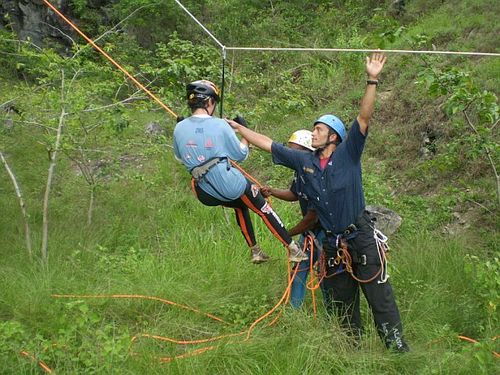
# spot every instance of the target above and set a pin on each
(122, 219)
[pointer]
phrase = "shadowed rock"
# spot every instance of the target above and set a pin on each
(9, 123)
(154, 129)
(387, 220)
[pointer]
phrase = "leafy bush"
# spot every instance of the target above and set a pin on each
(486, 276)
(83, 343)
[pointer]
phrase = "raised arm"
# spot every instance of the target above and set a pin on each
(261, 141)
(374, 65)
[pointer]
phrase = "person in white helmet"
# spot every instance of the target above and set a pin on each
(206, 145)
(333, 182)
(309, 226)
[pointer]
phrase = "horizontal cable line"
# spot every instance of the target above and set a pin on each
(200, 24)
(298, 49)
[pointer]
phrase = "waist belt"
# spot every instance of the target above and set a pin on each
(347, 234)
(201, 170)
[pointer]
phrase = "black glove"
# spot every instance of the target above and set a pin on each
(179, 118)
(240, 120)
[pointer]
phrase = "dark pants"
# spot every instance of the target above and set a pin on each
(344, 290)
(252, 199)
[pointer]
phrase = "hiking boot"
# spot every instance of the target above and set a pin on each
(398, 346)
(258, 256)
(295, 254)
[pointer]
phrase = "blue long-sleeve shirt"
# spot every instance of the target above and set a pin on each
(336, 191)
(200, 138)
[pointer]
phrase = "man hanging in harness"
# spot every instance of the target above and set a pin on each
(206, 145)
(333, 182)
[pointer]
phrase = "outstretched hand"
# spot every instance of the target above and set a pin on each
(374, 64)
(266, 191)
(233, 124)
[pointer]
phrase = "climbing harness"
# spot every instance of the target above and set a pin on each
(201, 170)
(344, 259)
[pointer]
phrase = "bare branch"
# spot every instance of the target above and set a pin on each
(131, 98)
(9, 101)
(32, 91)
(124, 101)
(113, 29)
(91, 204)
(488, 154)
(60, 31)
(21, 204)
(73, 79)
(480, 205)
(36, 124)
(53, 157)
(494, 125)
(23, 41)
(12, 54)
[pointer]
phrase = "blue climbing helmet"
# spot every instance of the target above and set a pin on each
(334, 123)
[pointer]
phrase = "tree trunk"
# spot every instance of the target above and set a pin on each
(21, 203)
(53, 157)
(91, 205)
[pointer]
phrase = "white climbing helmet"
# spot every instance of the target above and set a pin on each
(302, 138)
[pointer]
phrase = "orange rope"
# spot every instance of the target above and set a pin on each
(110, 59)
(189, 354)
(42, 364)
(250, 177)
(245, 173)
(280, 302)
(345, 258)
(465, 338)
(140, 297)
(166, 359)
(309, 243)
(186, 342)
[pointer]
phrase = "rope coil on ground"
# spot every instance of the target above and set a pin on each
(248, 332)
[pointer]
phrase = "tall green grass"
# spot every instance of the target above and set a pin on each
(159, 241)
(149, 236)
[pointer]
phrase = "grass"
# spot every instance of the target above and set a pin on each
(139, 249)
(149, 236)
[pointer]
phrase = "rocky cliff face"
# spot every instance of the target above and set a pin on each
(33, 20)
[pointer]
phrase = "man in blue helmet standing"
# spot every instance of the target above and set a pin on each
(332, 181)
(206, 145)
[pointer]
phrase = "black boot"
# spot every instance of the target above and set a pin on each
(397, 345)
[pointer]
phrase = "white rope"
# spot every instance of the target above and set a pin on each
(305, 49)
(201, 25)
(299, 49)
(382, 248)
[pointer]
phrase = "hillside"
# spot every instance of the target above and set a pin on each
(111, 215)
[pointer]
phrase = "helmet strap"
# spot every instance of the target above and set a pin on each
(214, 106)
(328, 143)
(322, 148)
